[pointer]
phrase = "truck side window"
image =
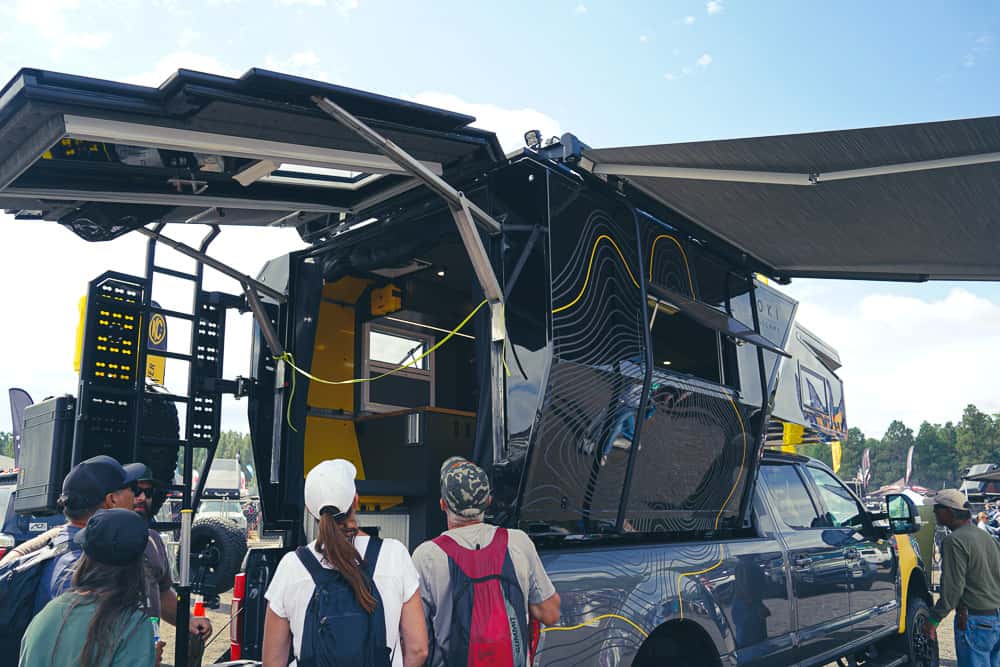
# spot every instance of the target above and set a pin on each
(841, 507)
(791, 498)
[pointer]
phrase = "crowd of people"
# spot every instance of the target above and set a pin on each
(103, 583)
(465, 597)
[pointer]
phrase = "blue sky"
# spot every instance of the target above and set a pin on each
(614, 73)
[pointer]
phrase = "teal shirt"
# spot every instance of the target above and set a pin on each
(132, 645)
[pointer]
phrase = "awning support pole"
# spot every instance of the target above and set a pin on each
(466, 215)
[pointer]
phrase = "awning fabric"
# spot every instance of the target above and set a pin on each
(796, 204)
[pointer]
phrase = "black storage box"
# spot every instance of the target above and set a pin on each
(46, 450)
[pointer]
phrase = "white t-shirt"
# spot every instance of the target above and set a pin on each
(395, 577)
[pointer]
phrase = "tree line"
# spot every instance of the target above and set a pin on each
(941, 455)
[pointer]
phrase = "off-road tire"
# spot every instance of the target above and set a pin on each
(217, 551)
(922, 651)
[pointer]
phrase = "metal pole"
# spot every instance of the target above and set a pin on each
(404, 159)
(242, 278)
(182, 640)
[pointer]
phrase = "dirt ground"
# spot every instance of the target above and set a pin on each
(218, 644)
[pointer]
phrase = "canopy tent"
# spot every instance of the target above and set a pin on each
(907, 202)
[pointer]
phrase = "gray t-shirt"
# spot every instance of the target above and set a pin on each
(158, 577)
(435, 589)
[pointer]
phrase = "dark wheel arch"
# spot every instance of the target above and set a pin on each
(678, 642)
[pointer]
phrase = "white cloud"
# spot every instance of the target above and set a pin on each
(714, 6)
(669, 76)
(508, 124)
(689, 20)
(580, 9)
(704, 60)
(982, 45)
(643, 39)
(42, 362)
(187, 38)
(48, 19)
(345, 7)
(909, 358)
(301, 63)
(170, 63)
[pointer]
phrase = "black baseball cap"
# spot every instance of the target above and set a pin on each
(114, 537)
(139, 472)
(89, 481)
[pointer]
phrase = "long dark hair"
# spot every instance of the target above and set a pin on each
(118, 590)
(336, 543)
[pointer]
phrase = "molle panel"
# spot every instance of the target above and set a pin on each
(691, 467)
(579, 450)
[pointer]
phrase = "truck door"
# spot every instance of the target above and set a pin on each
(871, 562)
(819, 569)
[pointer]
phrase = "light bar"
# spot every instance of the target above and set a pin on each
(153, 136)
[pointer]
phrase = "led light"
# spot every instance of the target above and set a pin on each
(440, 273)
(666, 363)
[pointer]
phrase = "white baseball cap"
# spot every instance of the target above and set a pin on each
(331, 484)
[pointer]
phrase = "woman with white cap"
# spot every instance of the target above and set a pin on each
(330, 596)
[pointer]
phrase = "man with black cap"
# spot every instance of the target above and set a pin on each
(97, 483)
(162, 600)
(970, 563)
(478, 552)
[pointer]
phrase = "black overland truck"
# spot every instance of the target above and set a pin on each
(583, 323)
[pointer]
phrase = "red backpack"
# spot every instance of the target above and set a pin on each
(488, 620)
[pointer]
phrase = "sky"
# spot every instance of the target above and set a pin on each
(614, 74)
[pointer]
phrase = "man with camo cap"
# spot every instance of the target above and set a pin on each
(465, 496)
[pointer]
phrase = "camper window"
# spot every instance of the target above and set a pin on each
(815, 391)
(386, 349)
(681, 345)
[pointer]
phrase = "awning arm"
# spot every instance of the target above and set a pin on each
(784, 178)
(406, 161)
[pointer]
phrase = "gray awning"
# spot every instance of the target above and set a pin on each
(905, 202)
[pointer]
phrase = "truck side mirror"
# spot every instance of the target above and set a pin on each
(902, 513)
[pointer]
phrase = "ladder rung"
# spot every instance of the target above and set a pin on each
(170, 442)
(175, 398)
(169, 355)
(175, 273)
(173, 313)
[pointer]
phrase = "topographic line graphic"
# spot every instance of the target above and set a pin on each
(687, 266)
(680, 588)
(590, 266)
(739, 474)
(590, 622)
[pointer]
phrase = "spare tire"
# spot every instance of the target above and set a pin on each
(217, 551)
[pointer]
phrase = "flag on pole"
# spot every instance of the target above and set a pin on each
(19, 401)
(866, 468)
(909, 467)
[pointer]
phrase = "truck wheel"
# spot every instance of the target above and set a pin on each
(921, 649)
(217, 550)
(672, 651)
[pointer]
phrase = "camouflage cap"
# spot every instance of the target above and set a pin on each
(464, 487)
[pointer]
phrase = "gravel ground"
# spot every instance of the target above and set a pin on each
(219, 643)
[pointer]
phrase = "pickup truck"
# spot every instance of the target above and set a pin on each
(818, 579)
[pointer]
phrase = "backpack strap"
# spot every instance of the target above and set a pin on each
(371, 555)
(476, 563)
(312, 565)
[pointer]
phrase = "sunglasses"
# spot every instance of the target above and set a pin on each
(139, 491)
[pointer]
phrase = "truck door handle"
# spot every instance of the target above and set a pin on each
(803, 561)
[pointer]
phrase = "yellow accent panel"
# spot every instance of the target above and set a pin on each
(348, 289)
(386, 300)
(836, 452)
(331, 439)
(78, 353)
(907, 564)
(333, 355)
(791, 436)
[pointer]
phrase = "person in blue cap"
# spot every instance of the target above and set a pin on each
(101, 620)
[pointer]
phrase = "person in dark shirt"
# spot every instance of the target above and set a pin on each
(970, 562)
(97, 483)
